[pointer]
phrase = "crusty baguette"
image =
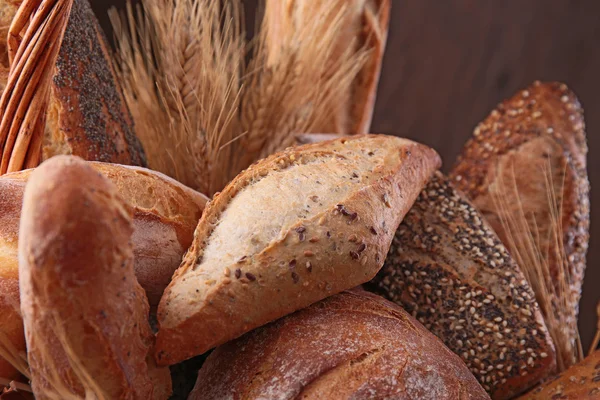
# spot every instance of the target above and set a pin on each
(580, 381)
(85, 314)
(87, 114)
(448, 268)
(529, 152)
(165, 216)
(292, 229)
(353, 345)
(365, 26)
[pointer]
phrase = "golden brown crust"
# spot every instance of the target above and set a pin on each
(541, 131)
(581, 381)
(85, 315)
(292, 229)
(165, 216)
(351, 345)
(448, 269)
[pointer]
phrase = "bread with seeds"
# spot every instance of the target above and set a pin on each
(292, 229)
(580, 381)
(525, 170)
(448, 269)
(353, 345)
(85, 314)
(87, 114)
(165, 216)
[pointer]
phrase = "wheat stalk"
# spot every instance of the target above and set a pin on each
(180, 63)
(524, 240)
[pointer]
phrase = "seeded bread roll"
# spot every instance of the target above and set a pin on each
(353, 345)
(450, 271)
(292, 229)
(542, 215)
(87, 114)
(165, 214)
(581, 381)
(85, 314)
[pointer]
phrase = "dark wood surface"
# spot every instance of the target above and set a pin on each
(448, 63)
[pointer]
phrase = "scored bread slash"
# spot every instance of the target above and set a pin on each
(353, 345)
(292, 229)
(448, 269)
(85, 314)
(580, 381)
(525, 170)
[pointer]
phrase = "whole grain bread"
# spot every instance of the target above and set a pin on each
(292, 229)
(365, 26)
(87, 114)
(353, 345)
(525, 170)
(447, 267)
(85, 314)
(165, 214)
(580, 381)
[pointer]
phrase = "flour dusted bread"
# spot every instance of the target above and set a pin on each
(525, 170)
(580, 381)
(165, 214)
(292, 229)
(447, 267)
(87, 114)
(353, 345)
(86, 316)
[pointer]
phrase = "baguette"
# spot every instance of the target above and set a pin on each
(85, 315)
(365, 26)
(448, 269)
(542, 215)
(581, 381)
(87, 114)
(292, 229)
(353, 345)
(165, 214)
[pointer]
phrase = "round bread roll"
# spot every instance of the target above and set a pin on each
(351, 345)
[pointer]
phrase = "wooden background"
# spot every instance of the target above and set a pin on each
(449, 62)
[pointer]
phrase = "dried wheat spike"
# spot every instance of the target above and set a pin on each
(525, 169)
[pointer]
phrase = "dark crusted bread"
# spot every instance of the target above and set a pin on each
(85, 314)
(292, 229)
(353, 345)
(525, 170)
(87, 114)
(450, 271)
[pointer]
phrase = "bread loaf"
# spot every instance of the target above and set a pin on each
(292, 229)
(364, 25)
(86, 316)
(165, 214)
(581, 381)
(87, 115)
(525, 169)
(353, 345)
(450, 271)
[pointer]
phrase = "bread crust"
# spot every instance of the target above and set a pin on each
(351, 345)
(85, 314)
(281, 247)
(447, 267)
(165, 214)
(581, 381)
(540, 127)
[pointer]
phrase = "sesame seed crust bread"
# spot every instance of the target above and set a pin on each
(448, 269)
(87, 113)
(165, 214)
(580, 381)
(85, 314)
(540, 130)
(353, 345)
(292, 229)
